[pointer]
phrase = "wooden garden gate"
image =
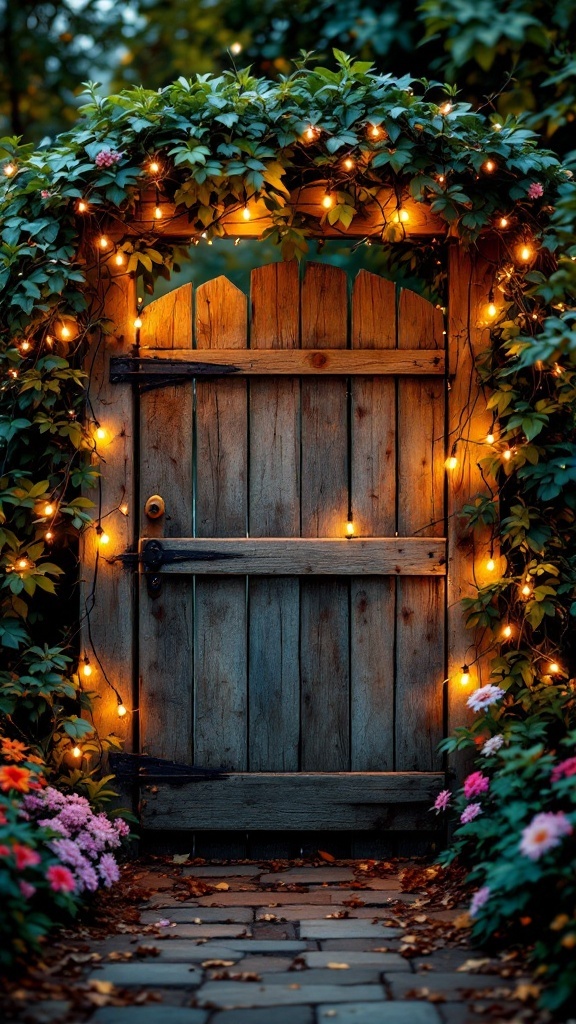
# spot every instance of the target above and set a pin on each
(309, 664)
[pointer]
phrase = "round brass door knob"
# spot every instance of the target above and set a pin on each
(155, 506)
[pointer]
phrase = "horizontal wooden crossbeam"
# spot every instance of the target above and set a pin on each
(297, 801)
(296, 556)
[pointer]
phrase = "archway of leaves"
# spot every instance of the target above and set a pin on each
(216, 147)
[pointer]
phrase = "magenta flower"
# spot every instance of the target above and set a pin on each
(108, 868)
(470, 812)
(484, 697)
(45, 193)
(442, 801)
(60, 879)
(536, 190)
(108, 157)
(476, 784)
(26, 889)
(544, 832)
(479, 899)
(564, 770)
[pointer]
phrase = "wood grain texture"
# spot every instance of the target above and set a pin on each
(295, 556)
(321, 362)
(373, 504)
(303, 801)
(166, 623)
(220, 667)
(469, 280)
(274, 511)
(420, 626)
(111, 605)
(324, 638)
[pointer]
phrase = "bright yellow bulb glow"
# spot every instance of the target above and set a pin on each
(82, 206)
(328, 202)
(76, 752)
(553, 667)
(489, 166)
(401, 216)
(503, 222)
(13, 373)
(104, 539)
(154, 167)
(525, 253)
(138, 323)
(451, 462)
(349, 163)
(48, 535)
(491, 310)
(441, 179)
(349, 528)
(48, 509)
(507, 455)
(246, 213)
(526, 590)
(375, 131)
(100, 433)
(119, 259)
(310, 133)
(25, 346)
(103, 242)
(489, 438)
(121, 711)
(236, 48)
(446, 108)
(65, 332)
(9, 169)
(490, 565)
(465, 677)
(87, 670)
(507, 632)
(158, 213)
(22, 563)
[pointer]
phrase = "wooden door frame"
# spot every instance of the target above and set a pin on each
(113, 606)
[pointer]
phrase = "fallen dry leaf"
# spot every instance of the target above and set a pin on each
(222, 886)
(338, 967)
(105, 988)
(180, 858)
(218, 963)
(473, 966)
(326, 856)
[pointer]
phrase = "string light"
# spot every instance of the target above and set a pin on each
(489, 166)
(158, 213)
(465, 676)
(236, 48)
(103, 242)
(13, 374)
(525, 253)
(328, 201)
(76, 751)
(451, 462)
(103, 538)
(446, 108)
(65, 332)
(121, 710)
(490, 564)
(154, 167)
(311, 133)
(48, 509)
(401, 216)
(503, 222)
(553, 667)
(441, 179)
(246, 213)
(349, 164)
(507, 455)
(526, 590)
(490, 438)
(48, 535)
(82, 206)
(100, 433)
(23, 563)
(87, 669)
(376, 131)
(138, 323)
(507, 632)
(9, 169)
(349, 528)
(491, 310)
(119, 259)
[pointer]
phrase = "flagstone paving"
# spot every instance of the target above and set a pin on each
(246, 944)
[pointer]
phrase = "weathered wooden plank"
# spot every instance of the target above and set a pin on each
(221, 509)
(420, 603)
(304, 556)
(324, 613)
(370, 220)
(274, 510)
(373, 507)
(289, 801)
(108, 609)
(319, 362)
(166, 622)
(469, 421)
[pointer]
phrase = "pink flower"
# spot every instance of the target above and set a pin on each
(108, 157)
(492, 745)
(5, 851)
(479, 899)
(442, 801)
(45, 193)
(470, 812)
(484, 697)
(544, 832)
(26, 889)
(564, 770)
(122, 827)
(108, 869)
(536, 190)
(60, 879)
(476, 784)
(25, 857)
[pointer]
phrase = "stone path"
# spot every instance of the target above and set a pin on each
(305, 945)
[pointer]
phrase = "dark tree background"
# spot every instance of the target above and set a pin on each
(517, 55)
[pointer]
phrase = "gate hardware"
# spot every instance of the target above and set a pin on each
(160, 373)
(155, 506)
(142, 767)
(153, 556)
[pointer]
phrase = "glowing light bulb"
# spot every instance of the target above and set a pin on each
(503, 222)
(441, 179)
(119, 259)
(328, 201)
(13, 374)
(375, 131)
(490, 438)
(124, 509)
(65, 332)
(507, 455)
(349, 164)
(246, 213)
(465, 676)
(310, 133)
(446, 108)
(236, 48)
(349, 528)
(48, 509)
(490, 565)
(507, 632)
(158, 213)
(9, 169)
(489, 166)
(553, 667)
(48, 535)
(451, 462)
(25, 346)
(138, 323)
(491, 310)
(103, 242)
(497, 126)
(121, 710)
(526, 590)
(525, 254)
(76, 752)
(104, 539)
(401, 216)
(154, 167)
(100, 433)
(22, 563)
(82, 206)
(87, 670)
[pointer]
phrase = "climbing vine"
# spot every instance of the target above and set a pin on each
(210, 146)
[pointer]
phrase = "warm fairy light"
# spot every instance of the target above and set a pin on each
(497, 126)
(65, 332)
(375, 131)
(490, 438)
(103, 242)
(48, 535)
(87, 670)
(349, 528)
(503, 222)
(25, 346)
(507, 632)
(158, 213)
(100, 433)
(121, 710)
(154, 167)
(490, 565)
(558, 370)
(349, 164)
(553, 667)
(446, 108)
(328, 201)
(236, 48)
(465, 676)
(311, 133)
(138, 323)
(507, 455)
(82, 206)
(48, 509)
(525, 253)
(451, 462)
(401, 216)
(489, 166)
(441, 179)
(9, 169)
(124, 509)
(491, 310)
(119, 259)
(22, 563)
(526, 590)
(104, 539)
(246, 213)
(76, 752)
(13, 374)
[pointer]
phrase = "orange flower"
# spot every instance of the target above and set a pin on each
(12, 777)
(13, 750)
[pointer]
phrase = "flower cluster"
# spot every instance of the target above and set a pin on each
(107, 158)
